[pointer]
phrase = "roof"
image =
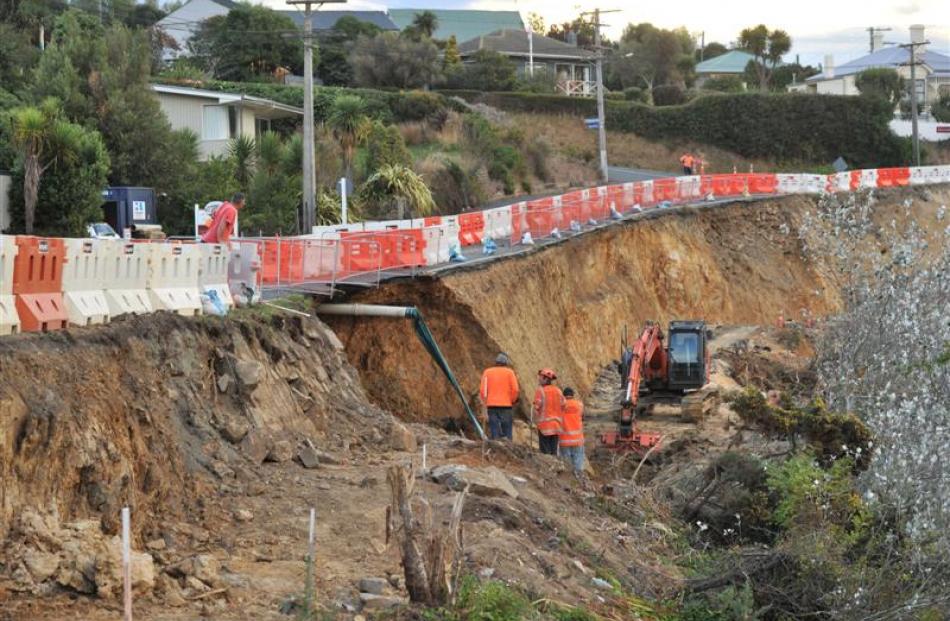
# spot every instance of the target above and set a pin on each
(463, 24)
(733, 61)
(222, 98)
(515, 43)
(326, 20)
(891, 56)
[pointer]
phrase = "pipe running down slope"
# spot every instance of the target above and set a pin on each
(422, 331)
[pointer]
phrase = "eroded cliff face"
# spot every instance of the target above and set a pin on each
(149, 413)
(565, 306)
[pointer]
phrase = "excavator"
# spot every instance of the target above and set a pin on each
(652, 373)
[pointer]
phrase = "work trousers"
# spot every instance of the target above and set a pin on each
(574, 456)
(499, 423)
(548, 444)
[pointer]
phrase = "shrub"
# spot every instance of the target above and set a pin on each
(486, 71)
(882, 83)
(635, 93)
(456, 186)
(416, 106)
(385, 146)
(668, 95)
(941, 108)
(543, 82)
(493, 601)
(725, 84)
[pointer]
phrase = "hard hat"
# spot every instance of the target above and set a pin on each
(502, 358)
(548, 374)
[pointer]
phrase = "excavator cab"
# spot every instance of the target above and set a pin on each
(687, 359)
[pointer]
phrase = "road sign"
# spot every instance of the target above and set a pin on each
(593, 123)
(943, 129)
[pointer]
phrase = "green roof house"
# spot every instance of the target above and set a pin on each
(463, 24)
(731, 63)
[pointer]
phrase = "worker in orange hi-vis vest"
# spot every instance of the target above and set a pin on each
(548, 411)
(687, 161)
(572, 431)
(499, 393)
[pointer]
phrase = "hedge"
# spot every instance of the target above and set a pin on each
(779, 126)
(388, 106)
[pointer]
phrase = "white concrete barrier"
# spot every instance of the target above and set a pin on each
(213, 273)
(9, 320)
(172, 282)
(126, 274)
(84, 279)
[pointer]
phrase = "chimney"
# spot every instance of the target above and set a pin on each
(829, 66)
(877, 41)
(917, 36)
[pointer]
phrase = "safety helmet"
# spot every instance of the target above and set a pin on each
(547, 374)
(502, 358)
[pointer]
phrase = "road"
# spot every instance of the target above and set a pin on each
(618, 174)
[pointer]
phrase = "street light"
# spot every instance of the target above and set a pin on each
(309, 156)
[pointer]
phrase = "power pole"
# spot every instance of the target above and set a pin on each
(601, 129)
(702, 46)
(912, 48)
(871, 31)
(309, 198)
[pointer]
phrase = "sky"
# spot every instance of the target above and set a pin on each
(817, 27)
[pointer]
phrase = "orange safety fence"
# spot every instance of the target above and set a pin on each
(471, 228)
(38, 283)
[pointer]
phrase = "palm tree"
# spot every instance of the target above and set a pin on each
(242, 152)
(399, 185)
(350, 126)
(425, 23)
(41, 138)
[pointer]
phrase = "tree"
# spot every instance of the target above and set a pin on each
(536, 23)
(385, 146)
(450, 57)
(60, 162)
(274, 194)
(712, 50)
(487, 71)
(649, 56)
(784, 75)
(767, 48)
(425, 23)
(388, 60)
(349, 124)
(247, 43)
(242, 152)
(881, 82)
(397, 186)
(332, 66)
(101, 76)
(725, 84)
(583, 28)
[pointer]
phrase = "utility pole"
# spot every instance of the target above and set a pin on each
(702, 46)
(871, 31)
(912, 48)
(601, 129)
(309, 198)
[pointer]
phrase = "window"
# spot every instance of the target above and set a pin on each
(216, 123)
(684, 347)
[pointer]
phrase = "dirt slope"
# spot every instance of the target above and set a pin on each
(564, 306)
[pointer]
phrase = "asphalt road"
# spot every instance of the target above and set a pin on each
(617, 174)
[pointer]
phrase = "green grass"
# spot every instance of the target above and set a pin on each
(295, 301)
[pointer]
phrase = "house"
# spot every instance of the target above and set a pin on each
(462, 24)
(217, 117)
(573, 66)
(183, 22)
(932, 71)
(732, 63)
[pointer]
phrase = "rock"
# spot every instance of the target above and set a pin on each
(224, 382)
(379, 602)
(249, 372)
(256, 446)
(580, 567)
(234, 429)
(196, 586)
(486, 572)
(482, 481)
(169, 591)
(243, 515)
(108, 570)
(329, 458)
(41, 565)
(334, 340)
(282, 451)
(401, 438)
(155, 545)
(376, 586)
(221, 469)
(308, 458)
(206, 568)
(602, 584)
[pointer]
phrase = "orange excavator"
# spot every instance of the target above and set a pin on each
(652, 373)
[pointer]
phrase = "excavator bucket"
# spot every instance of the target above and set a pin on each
(638, 441)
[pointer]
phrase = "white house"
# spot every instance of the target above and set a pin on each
(933, 70)
(181, 23)
(217, 117)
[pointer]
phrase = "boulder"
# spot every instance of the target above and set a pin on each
(41, 565)
(308, 457)
(482, 481)
(108, 570)
(379, 602)
(207, 569)
(243, 515)
(281, 451)
(256, 446)
(234, 429)
(249, 372)
(401, 438)
(376, 586)
(224, 382)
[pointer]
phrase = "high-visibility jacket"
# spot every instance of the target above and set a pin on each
(687, 160)
(548, 409)
(499, 387)
(572, 427)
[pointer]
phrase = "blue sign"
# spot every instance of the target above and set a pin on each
(593, 123)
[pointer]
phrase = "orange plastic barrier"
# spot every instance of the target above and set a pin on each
(471, 228)
(664, 190)
(517, 217)
(893, 177)
(407, 249)
(432, 221)
(360, 254)
(38, 283)
(763, 183)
